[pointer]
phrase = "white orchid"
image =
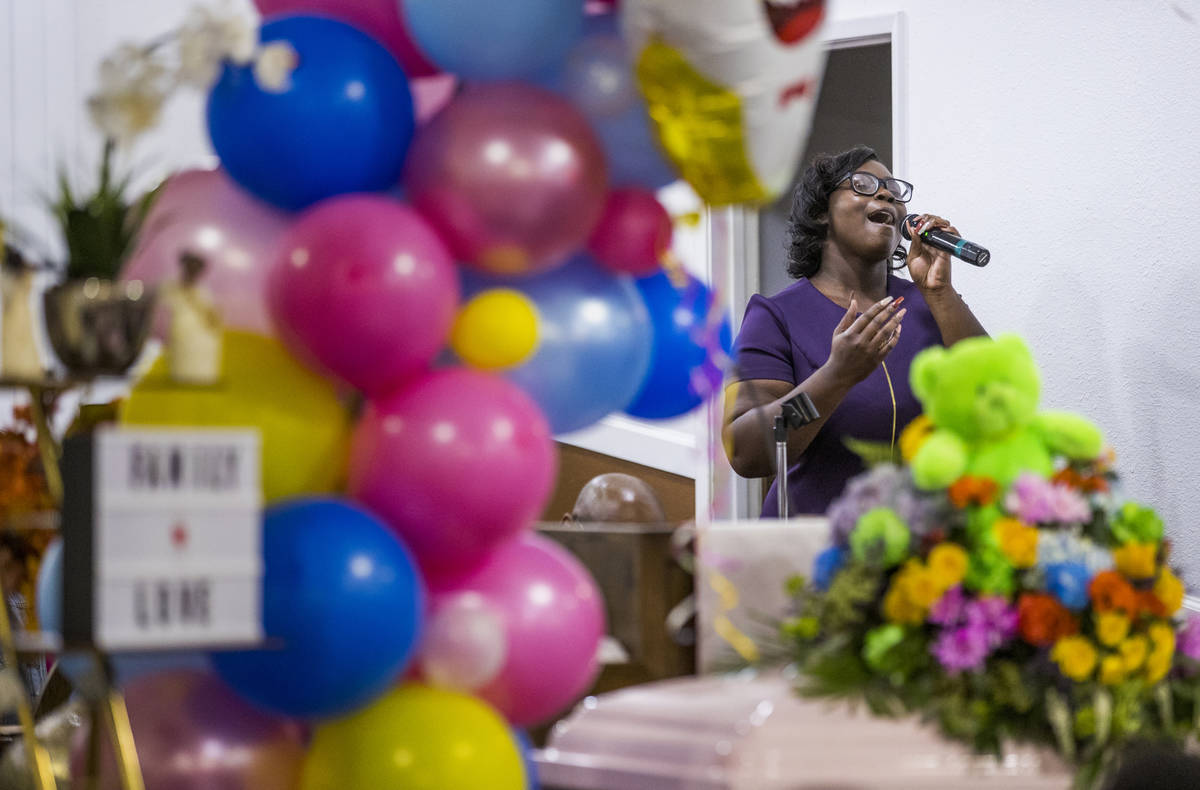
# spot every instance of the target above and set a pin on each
(273, 66)
(208, 38)
(134, 84)
(135, 81)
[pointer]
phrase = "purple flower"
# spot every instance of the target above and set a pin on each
(950, 609)
(959, 649)
(1189, 638)
(1035, 500)
(995, 617)
(884, 486)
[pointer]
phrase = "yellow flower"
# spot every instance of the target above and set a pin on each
(1112, 670)
(919, 585)
(914, 435)
(1162, 640)
(948, 564)
(1157, 667)
(898, 609)
(1018, 541)
(1075, 656)
(1169, 590)
(1136, 560)
(1133, 652)
(1111, 627)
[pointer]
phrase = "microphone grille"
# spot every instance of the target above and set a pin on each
(904, 223)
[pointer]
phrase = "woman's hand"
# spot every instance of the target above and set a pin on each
(929, 267)
(860, 344)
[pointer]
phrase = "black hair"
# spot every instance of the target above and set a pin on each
(806, 229)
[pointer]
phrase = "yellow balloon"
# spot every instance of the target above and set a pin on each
(496, 329)
(305, 427)
(416, 738)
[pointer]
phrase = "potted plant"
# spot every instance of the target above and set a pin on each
(96, 324)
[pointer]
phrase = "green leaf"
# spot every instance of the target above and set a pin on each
(1102, 703)
(1059, 716)
(1166, 708)
(873, 453)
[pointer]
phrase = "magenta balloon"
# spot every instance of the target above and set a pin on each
(511, 175)
(553, 617)
(364, 289)
(432, 94)
(633, 233)
(455, 463)
(379, 18)
(204, 211)
(193, 733)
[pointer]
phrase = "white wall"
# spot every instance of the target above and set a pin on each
(1064, 136)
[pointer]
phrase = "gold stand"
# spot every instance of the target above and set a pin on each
(109, 707)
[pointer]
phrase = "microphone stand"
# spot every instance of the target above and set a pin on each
(797, 412)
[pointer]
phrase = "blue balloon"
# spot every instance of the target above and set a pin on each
(343, 125)
(690, 347)
(826, 566)
(596, 76)
(1068, 582)
(50, 588)
(343, 597)
(531, 772)
(594, 341)
(486, 40)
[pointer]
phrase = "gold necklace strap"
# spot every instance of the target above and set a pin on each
(892, 393)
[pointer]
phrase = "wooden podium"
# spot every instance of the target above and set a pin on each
(642, 583)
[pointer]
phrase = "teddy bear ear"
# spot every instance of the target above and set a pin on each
(1014, 344)
(924, 372)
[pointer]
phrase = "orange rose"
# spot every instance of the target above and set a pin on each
(969, 490)
(1109, 591)
(1042, 620)
(1086, 483)
(1149, 604)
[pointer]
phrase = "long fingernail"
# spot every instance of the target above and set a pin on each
(902, 313)
(885, 300)
(898, 302)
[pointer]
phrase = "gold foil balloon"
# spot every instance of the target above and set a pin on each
(730, 86)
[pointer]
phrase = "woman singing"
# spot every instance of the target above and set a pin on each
(845, 333)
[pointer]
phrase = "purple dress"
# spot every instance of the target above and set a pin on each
(786, 337)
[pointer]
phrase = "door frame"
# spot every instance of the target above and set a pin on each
(733, 244)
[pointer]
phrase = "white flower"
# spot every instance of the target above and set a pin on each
(133, 87)
(273, 66)
(207, 39)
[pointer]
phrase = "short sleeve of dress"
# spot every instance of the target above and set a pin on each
(764, 347)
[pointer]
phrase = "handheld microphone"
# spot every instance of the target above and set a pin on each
(948, 242)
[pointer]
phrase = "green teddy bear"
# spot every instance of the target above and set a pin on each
(981, 396)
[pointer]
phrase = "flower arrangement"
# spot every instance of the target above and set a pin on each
(1039, 609)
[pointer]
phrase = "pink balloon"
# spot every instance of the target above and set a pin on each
(455, 463)
(365, 290)
(633, 233)
(464, 644)
(511, 175)
(205, 212)
(193, 733)
(379, 18)
(432, 94)
(554, 620)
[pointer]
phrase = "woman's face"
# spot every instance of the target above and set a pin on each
(866, 226)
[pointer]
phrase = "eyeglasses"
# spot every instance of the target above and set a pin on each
(865, 183)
